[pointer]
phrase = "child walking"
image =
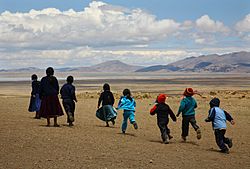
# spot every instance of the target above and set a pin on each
(69, 98)
(127, 103)
(187, 108)
(106, 112)
(218, 117)
(163, 111)
(35, 101)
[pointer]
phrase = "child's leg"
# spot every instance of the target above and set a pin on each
(228, 141)
(132, 119)
(48, 121)
(185, 127)
(219, 137)
(125, 121)
(196, 127)
(163, 129)
(55, 122)
(168, 132)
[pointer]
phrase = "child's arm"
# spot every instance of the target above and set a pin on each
(181, 108)
(100, 100)
(229, 118)
(173, 117)
(211, 115)
(73, 93)
(153, 110)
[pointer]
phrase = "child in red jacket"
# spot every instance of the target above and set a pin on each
(163, 111)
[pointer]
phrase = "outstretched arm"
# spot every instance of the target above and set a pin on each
(229, 118)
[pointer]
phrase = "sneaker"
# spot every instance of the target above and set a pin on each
(230, 143)
(198, 131)
(184, 138)
(166, 141)
(135, 125)
(225, 151)
(123, 132)
(71, 124)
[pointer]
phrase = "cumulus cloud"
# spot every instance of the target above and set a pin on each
(100, 24)
(206, 24)
(102, 32)
(243, 25)
(243, 28)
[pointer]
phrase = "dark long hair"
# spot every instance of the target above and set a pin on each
(127, 93)
(50, 73)
(106, 87)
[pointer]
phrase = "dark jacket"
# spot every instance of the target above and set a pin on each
(163, 111)
(68, 92)
(35, 87)
(49, 86)
(106, 98)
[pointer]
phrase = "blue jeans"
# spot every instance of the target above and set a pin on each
(128, 114)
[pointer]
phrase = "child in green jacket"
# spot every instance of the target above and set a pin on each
(187, 106)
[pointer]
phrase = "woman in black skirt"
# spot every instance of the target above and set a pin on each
(50, 106)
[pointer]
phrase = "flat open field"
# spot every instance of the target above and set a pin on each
(26, 143)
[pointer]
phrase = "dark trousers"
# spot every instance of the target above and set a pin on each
(69, 107)
(163, 126)
(220, 138)
(185, 124)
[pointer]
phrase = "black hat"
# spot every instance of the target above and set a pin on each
(214, 102)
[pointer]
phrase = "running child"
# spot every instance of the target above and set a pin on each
(187, 108)
(163, 111)
(128, 104)
(219, 117)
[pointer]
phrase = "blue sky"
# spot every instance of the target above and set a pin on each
(140, 32)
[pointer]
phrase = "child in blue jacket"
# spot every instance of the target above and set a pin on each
(218, 117)
(127, 103)
(187, 108)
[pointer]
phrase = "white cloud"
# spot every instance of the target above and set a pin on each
(206, 24)
(104, 32)
(243, 25)
(100, 24)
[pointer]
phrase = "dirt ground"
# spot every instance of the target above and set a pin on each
(27, 143)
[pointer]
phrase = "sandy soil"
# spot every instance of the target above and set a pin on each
(26, 143)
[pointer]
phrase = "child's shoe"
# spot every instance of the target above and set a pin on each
(230, 143)
(135, 125)
(184, 138)
(226, 151)
(123, 132)
(166, 141)
(198, 131)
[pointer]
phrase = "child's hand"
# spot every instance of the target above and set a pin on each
(182, 97)
(232, 122)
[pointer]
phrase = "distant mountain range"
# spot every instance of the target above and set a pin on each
(237, 62)
(109, 66)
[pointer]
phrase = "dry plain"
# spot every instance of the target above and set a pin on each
(26, 143)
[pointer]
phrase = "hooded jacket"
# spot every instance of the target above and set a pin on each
(162, 110)
(127, 104)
